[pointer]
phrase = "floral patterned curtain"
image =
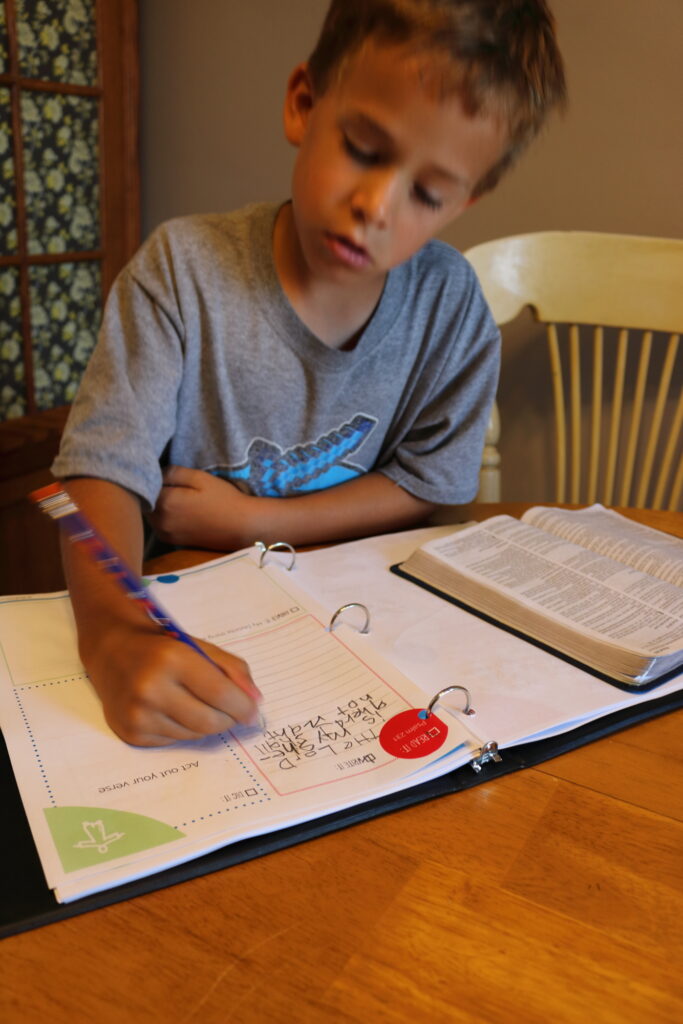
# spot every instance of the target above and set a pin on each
(50, 234)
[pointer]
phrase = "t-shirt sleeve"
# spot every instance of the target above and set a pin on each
(124, 413)
(439, 442)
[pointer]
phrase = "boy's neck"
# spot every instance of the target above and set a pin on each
(335, 313)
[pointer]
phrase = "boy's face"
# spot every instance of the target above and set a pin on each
(385, 161)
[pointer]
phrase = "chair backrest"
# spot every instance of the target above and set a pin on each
(629, 289)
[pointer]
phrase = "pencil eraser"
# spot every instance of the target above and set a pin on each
(45, 492)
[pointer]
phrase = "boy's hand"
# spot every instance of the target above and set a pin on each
(156, 690)
(197, 509)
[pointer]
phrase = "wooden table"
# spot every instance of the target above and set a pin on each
(549, 895)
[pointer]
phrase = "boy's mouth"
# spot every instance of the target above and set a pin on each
(347, 251)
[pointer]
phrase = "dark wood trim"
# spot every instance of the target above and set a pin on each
(51, 257)
(44, 85)
(120, 200)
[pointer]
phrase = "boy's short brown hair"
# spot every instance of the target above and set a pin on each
(503, 56)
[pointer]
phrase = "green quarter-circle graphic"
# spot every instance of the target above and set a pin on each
(86, 836)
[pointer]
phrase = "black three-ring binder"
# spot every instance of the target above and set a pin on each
(26, 901)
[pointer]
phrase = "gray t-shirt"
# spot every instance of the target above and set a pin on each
(202, 362)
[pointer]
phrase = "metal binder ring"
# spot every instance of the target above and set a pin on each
(345, 607)
(467, 710)
(279, 545)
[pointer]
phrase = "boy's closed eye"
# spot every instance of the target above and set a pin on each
(426, 197)
(362, 154)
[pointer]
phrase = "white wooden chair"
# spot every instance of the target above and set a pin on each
(613, 444)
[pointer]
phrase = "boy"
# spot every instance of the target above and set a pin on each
(312, 371)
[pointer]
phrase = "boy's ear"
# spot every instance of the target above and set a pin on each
(299, 100)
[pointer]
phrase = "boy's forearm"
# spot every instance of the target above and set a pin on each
(368, 504)
(95, 596)
(197, 509)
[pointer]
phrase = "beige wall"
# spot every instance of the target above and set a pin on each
(213, 73)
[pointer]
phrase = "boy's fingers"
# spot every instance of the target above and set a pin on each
(161, 731)
(153, 727)
(181, 716)
(167, 732)
(226, 687)
(235, 668)
(187, 717)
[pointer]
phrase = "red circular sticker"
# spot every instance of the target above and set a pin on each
(413, 733)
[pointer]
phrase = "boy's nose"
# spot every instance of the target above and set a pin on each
(374, 196)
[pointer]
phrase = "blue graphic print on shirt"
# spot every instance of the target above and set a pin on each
(271, 472)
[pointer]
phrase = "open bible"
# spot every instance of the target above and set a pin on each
(589, 584)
